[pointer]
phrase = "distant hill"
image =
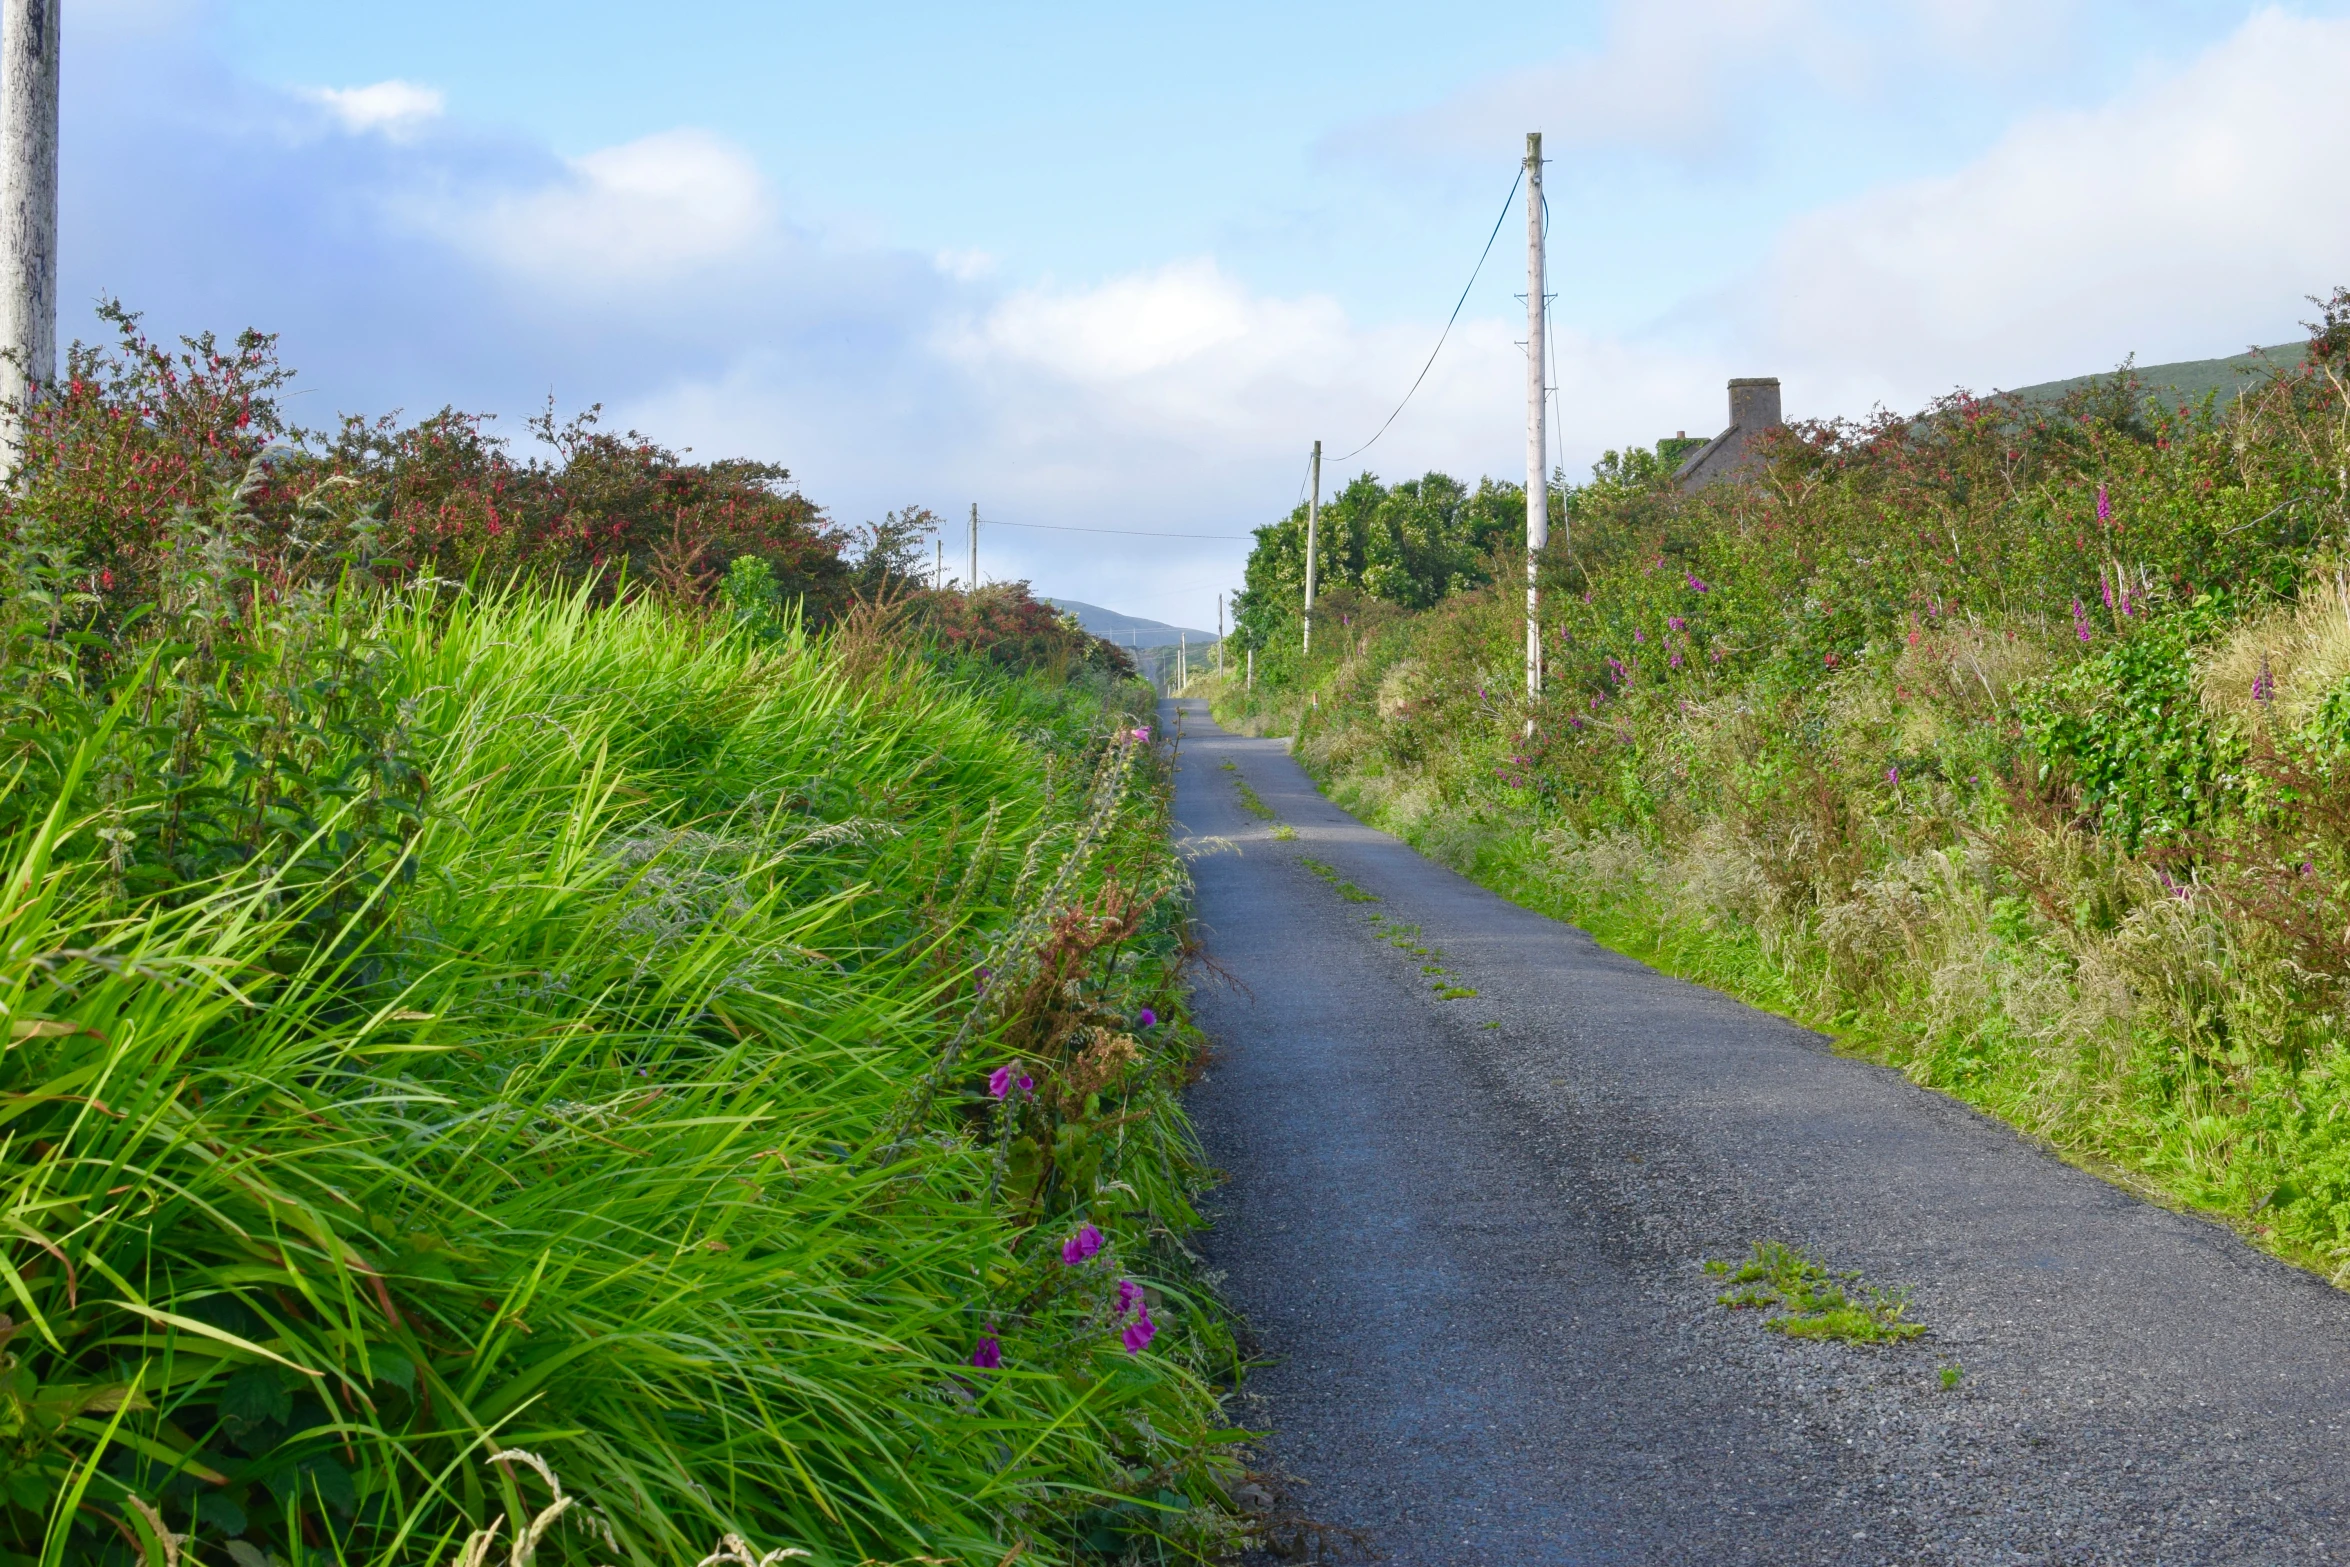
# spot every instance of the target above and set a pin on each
(2189, 379)
(1131, 630)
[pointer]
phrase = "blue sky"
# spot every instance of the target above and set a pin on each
(1110, 267)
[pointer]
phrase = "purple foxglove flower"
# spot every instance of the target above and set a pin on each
(1146, 1018)
(1144, 735)
(1893, 775)
(999, 1081)
(989, 1355)
(1695, 586)
(1081, 1245)
(1676, 660)
(2105, 586)
(2080, 621)
(1139, 1332)
(1129, 1296)
(1639, 635)
(1676, 623)
(2104, 506)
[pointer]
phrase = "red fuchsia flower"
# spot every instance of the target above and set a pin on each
(2080, 621)
(1080, 1246)
(2104, 506)
(1146, 1018)
(1139, 1332)
(989, 1355)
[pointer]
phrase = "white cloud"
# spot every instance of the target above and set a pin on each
(395, 108)
(2183, 219)
(645, 212)
(1705, 81)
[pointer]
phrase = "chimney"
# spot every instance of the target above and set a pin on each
(1754, 403)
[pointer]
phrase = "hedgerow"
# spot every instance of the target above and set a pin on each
(2003, 740)
(716, 1052)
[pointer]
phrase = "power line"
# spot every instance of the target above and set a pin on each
(1127, 533)
(1449, 320)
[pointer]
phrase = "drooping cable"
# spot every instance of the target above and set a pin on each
(1449, 320)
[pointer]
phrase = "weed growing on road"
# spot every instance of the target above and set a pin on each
(1814, 1303)
(1250, 800)
(1455, 993)
(1284, 833)
(1329, 873)
(1950, 1376)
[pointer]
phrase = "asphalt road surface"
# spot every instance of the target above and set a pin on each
(1467, 1236)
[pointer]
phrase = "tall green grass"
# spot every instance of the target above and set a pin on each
(616, 1124)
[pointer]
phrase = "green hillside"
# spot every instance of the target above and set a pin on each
(2189, 379)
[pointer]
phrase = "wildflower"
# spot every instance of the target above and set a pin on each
(1676, 660)
(1831, 661)
(1129, 1296)
(1146, 1018)
(989, 1355)
(1696, 586)
(1081, 1245)
(1676, 623)
(2080, 621)
(1575, 722)
(2264, 685)
(1139, 1332)
(1143, 735)
(1639, 636)
(2104, 506)
(2308, 869)
(1893, 776)
(1004, 1079)
(2105, 586)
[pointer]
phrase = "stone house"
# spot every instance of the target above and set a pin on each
(1754, 408)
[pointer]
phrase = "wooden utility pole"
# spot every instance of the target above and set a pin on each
(1252, 670)
(938, 565)
(1182, 660)
(28, 214)
(1537, 442)
(1219, 636)
(974, 584)
(1313, 526)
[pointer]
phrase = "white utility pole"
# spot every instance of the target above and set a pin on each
(974, 587)
(1252, 669)
(28, 213)
(1537, 439)
(938, 566)
(1182, 659)
(1313, 526)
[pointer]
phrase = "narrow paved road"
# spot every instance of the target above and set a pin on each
(1467, 1235)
